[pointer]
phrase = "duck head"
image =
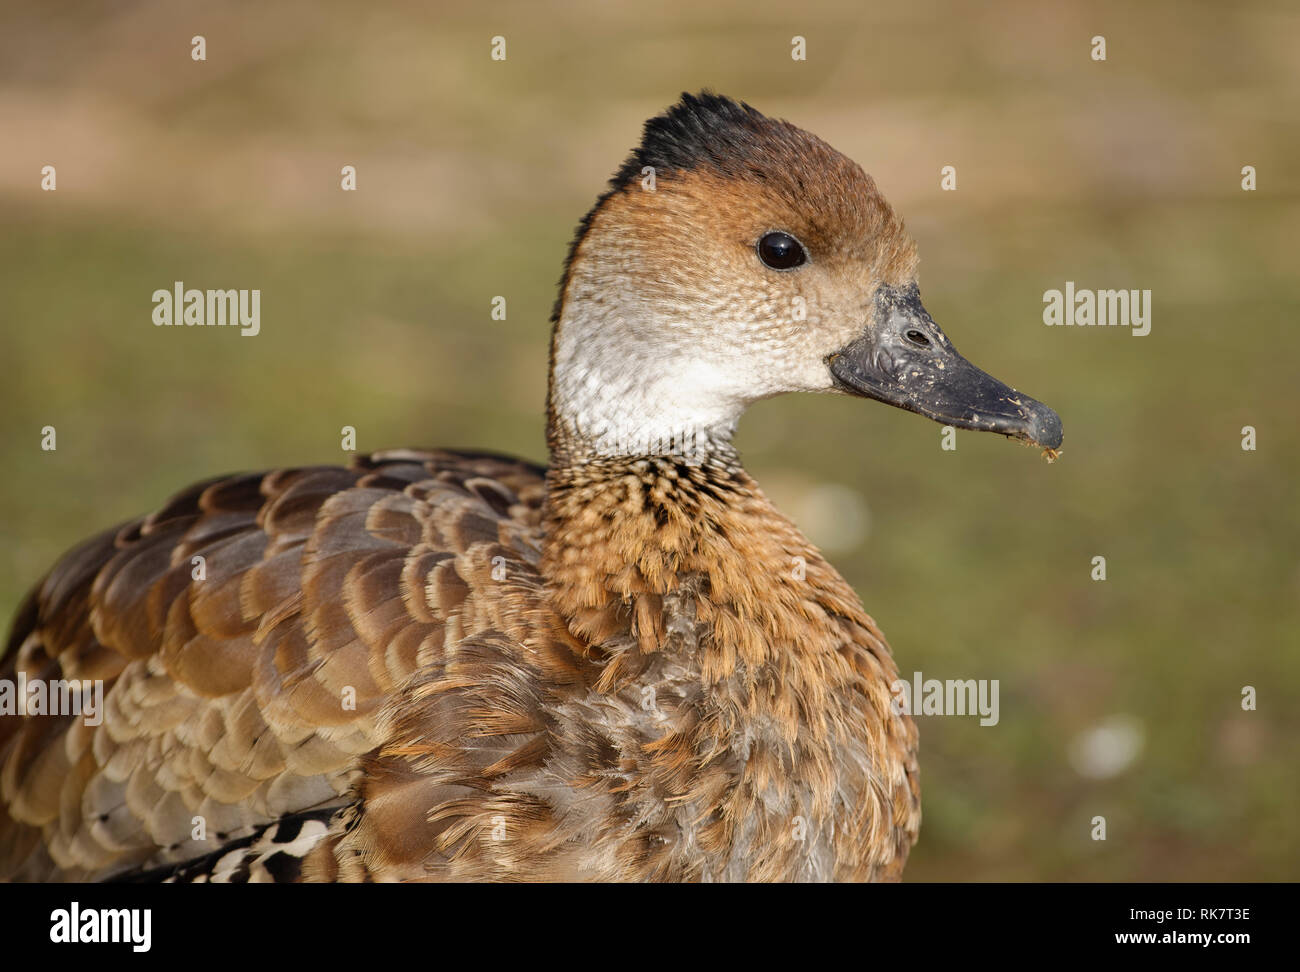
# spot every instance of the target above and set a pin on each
(736, 257)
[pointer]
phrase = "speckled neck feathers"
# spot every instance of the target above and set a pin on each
(768, 681)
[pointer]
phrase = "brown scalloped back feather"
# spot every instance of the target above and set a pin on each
(251, 694)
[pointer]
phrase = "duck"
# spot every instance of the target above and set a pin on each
(450, 665)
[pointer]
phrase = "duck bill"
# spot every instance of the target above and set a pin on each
(905, 360)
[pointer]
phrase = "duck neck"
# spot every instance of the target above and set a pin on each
(627, 415)
(658, 544)
(636, 531)
(685, 555)
(629, 379)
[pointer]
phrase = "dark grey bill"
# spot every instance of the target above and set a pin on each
(904, 360)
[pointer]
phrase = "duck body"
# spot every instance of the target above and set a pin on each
(437, 665)
(671, 714)
(668, 713)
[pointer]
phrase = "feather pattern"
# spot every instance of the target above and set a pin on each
(251, 693)
(666, 711)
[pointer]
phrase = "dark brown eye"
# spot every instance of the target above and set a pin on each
(781, 251)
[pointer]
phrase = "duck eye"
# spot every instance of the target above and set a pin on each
(917, 338)
(781, 251)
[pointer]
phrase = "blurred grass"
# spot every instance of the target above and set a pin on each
(375, 310)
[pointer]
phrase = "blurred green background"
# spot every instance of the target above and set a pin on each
(1118, 698)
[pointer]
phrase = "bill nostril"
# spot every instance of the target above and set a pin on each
(917, 338)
